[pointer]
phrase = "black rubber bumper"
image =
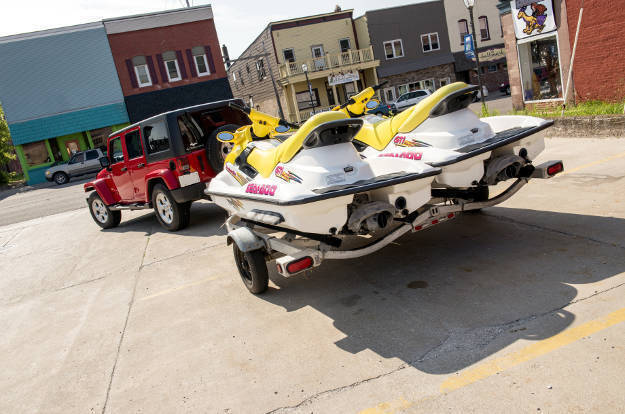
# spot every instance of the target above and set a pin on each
(189, 193)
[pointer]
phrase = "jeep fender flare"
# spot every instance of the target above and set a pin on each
(99, 185)
(165, 175)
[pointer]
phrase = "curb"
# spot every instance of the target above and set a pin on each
(595, 126)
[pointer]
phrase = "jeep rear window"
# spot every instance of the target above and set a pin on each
(190, 132)
(156, 137)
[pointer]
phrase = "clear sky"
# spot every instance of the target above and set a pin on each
(238, 22)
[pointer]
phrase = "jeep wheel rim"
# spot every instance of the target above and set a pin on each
(164, 209)
(226, 147)
(99, 211)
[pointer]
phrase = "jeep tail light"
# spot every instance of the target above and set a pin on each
(183, 164)
(299, 265)
(556, 168)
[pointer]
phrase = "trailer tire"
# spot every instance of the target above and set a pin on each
(252, 269)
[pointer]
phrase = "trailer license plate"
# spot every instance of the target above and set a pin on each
(189, 179)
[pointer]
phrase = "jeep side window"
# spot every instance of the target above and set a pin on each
(190, 132)
(156, 137)
(115, 149)
(133, 145)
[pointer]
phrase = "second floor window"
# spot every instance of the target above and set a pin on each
(393, 49)
(344, 45)
(171, 66)
(260, 69)
(289, 55)
(484, 31)
(463, 28)
(430, 42)
(141, 71)
(200, 61)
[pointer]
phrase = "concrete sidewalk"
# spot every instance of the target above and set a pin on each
(137, 319)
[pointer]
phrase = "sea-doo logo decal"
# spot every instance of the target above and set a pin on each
(264, 189)
(409, 155)
(237, 175)
(287, 175)
(402, 141)
(235, 203)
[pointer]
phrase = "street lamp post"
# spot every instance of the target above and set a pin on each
(312, 105)
(469, 4)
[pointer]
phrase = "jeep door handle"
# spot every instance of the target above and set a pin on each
(140, 165)
(123, 169)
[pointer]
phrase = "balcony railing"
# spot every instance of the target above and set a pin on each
(329, 61)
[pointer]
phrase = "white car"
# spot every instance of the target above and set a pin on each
(409, 98)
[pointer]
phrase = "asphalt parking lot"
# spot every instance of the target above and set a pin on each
(517, 309)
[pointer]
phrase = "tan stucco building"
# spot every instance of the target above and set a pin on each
(325, 48)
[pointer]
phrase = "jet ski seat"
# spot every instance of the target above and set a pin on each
(264, 160)
(447, 99)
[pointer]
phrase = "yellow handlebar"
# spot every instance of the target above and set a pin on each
(358, 107)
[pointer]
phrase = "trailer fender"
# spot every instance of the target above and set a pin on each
(245, 239)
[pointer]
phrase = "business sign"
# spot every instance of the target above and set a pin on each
(343, 77)
(492, 54)
(468, 46)
(532, 18)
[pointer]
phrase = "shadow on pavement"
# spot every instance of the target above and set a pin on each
(448, 297)
(207, 220)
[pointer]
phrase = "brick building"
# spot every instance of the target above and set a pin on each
(167, 60)
(598, 70)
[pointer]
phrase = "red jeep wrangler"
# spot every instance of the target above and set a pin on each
(163, 163)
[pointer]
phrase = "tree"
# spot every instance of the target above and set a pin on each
(7, 152)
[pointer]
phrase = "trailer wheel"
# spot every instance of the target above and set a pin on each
(252, 268)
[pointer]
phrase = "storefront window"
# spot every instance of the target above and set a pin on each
(36, 153)
(540, 69)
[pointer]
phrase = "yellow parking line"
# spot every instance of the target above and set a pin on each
(164, 292)
(531, 351)
(590, 164)
(490, 368)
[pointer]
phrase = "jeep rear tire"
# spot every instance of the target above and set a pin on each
(60, 178)
(216, 150)
(101, 213)
(170, 214)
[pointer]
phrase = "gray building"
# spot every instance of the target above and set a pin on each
(412, 44)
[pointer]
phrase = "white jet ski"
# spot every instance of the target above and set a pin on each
(443, 132)
(316, 182)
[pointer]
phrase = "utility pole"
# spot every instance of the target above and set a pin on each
(188, 3)
(275, 90)
(469, 4)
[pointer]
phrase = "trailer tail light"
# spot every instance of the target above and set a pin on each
(299, 265)
(556, 168)
(450, 215)
(417, 228)
(435, 221)
(183, 165)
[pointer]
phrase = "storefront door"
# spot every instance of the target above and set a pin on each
(72, 146)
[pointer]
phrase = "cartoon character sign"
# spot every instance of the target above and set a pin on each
(537, 19)
(533, 18)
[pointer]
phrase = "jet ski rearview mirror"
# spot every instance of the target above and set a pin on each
(372, 104)
(225, 136)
